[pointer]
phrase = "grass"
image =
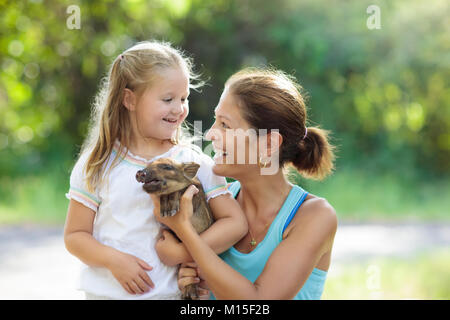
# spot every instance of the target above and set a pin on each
(426, 276)
(35, 199)
(360, 196)
(357, 196)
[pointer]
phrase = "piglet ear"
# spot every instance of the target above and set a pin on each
(190, 169)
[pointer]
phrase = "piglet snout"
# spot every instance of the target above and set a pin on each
(140, 176)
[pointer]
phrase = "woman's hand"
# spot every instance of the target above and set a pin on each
(180, 220)
(131, 273)
(189, 274)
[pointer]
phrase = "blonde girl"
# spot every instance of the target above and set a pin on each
(110, 226)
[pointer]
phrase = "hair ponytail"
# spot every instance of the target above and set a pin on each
(315, 156)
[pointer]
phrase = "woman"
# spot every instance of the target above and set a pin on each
(286, 252)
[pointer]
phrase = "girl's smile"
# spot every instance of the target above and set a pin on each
(161, 109)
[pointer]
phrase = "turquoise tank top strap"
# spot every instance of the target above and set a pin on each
(234, 187)
(294, 209)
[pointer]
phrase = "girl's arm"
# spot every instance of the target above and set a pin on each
(230, 224)
(78, 236)
(285, 272)
(128, 270)
(229, 227)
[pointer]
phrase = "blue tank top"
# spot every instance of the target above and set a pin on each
(251, 264)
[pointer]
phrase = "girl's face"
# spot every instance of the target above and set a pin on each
(235, 142)
(162, 108)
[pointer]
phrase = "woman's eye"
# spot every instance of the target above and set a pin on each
(167, 100)
(224, 125)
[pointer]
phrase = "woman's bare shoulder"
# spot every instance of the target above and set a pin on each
(315, 212)
(315, 203)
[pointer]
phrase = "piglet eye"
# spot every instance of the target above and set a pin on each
(166, 167)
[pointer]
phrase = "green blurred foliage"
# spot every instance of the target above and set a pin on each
(383, 93)
(428, 279)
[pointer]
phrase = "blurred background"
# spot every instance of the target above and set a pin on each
(377, 78)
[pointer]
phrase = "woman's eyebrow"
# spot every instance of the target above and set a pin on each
(221, 116)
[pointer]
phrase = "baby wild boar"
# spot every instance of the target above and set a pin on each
(169, 180)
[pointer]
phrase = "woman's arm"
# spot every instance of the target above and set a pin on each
(285, 272)
(229, 227)
(128, 270)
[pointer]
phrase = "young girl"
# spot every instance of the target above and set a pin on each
(110, 224)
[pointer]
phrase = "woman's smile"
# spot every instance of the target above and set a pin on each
(220, 155)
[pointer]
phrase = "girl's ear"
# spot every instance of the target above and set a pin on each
(129, 99)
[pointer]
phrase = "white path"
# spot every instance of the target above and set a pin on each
(35, 265)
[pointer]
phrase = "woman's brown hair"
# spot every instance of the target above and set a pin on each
(271, 99)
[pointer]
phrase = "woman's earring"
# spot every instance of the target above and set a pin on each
(261, 163)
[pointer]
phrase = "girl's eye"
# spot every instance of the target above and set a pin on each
(167, 100)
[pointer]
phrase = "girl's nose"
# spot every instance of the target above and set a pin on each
(178, 109)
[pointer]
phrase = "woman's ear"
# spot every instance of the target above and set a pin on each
(274, 141)
(129, 99)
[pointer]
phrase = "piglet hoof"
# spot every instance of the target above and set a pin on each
(190, 292)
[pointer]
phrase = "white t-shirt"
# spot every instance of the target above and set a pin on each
(124, 219)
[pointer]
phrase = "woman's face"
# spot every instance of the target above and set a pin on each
(163, 106)
(235, 143)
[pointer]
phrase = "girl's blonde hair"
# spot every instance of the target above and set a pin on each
(134, 69)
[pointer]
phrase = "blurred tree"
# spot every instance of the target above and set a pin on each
(384, 93)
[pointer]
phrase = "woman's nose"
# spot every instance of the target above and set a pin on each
(210, 134)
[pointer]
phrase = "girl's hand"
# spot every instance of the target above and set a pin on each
(131, 273)
(189, 274)
(180, 220)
